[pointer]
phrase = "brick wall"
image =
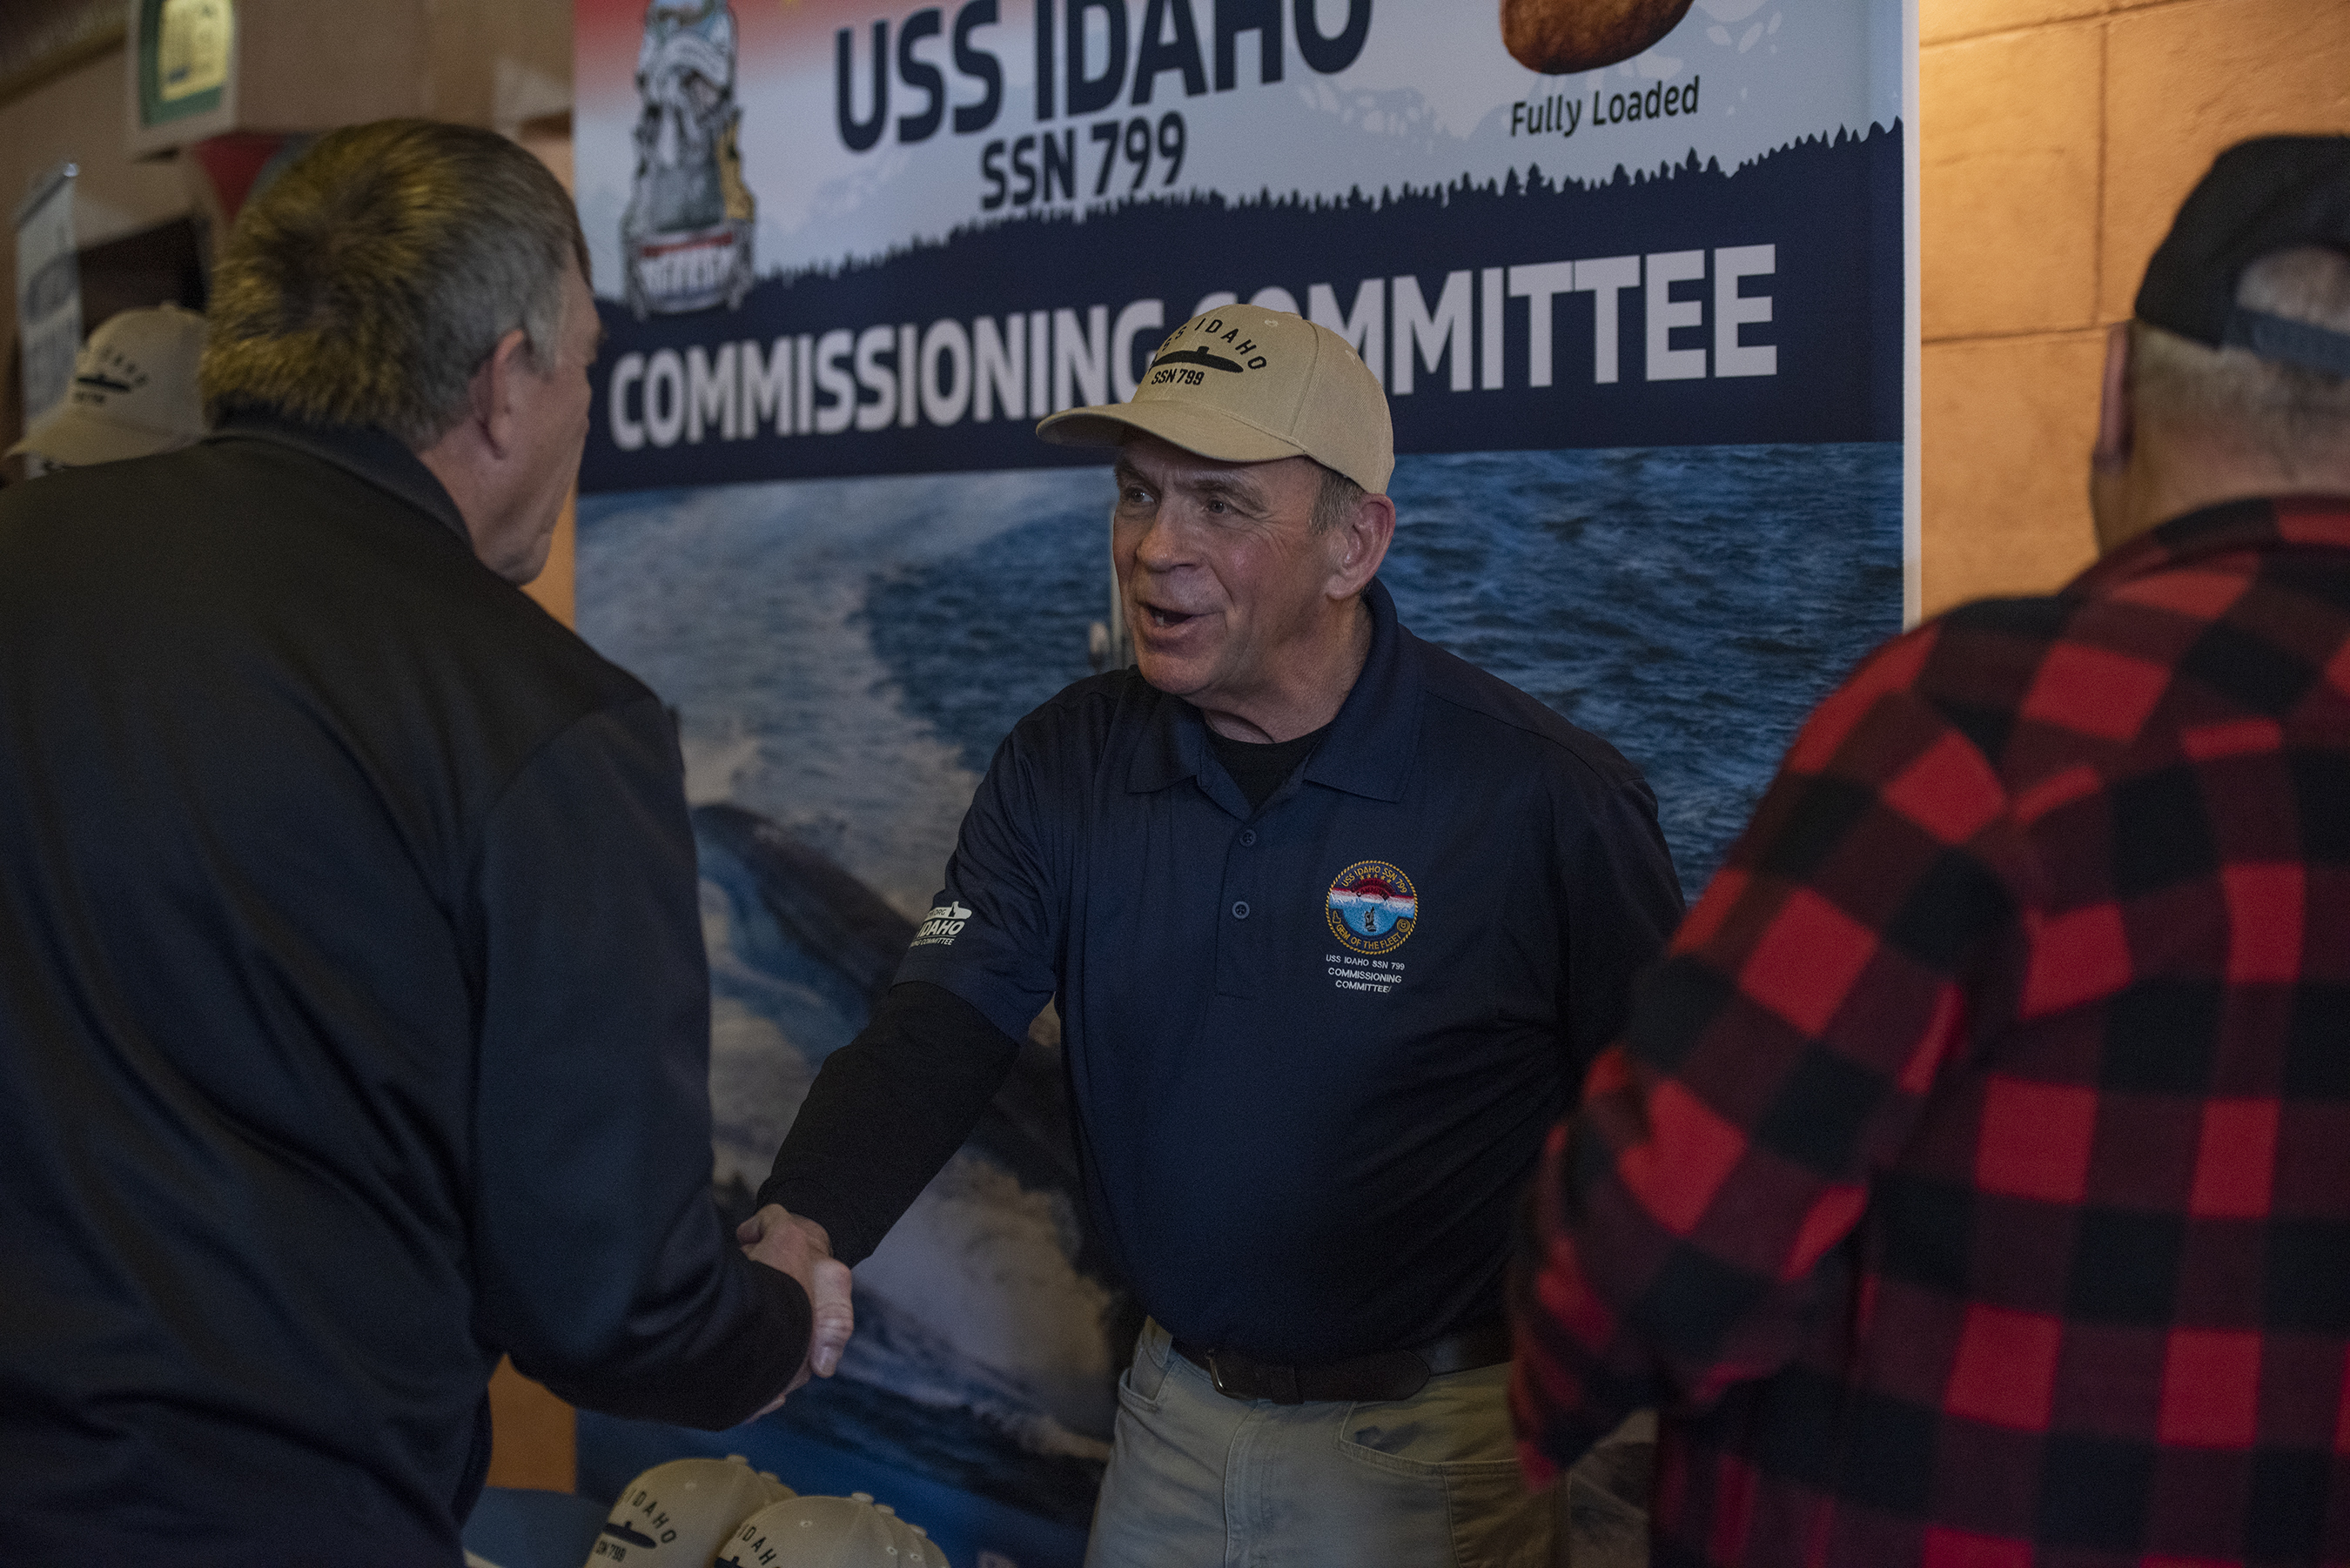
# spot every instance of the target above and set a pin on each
(2056, 138)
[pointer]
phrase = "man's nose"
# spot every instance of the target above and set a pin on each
(1160, 547)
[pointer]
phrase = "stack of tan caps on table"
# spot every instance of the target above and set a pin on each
(721, 1513)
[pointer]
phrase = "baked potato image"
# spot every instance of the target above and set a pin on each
(1558, 37)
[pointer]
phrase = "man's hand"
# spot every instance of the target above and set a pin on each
(801, 1248)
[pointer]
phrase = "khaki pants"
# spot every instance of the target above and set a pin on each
(1199, 1480)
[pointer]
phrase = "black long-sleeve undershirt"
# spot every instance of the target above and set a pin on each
(886, 1112)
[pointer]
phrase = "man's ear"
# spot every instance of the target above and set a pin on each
(2109, 459)
(1362, 543)
(496, 390)
(2115, 417)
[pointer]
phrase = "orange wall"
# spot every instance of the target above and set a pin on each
(2056, 138)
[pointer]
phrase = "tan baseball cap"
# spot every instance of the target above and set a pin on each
(818, 1532)
(134, 391)
(680, 1514)
(1244, 384)
(915, 1548)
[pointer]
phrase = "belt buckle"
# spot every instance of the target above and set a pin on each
(1278, 1383)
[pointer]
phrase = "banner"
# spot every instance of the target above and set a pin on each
(48, 292)
(974, 218)
(1643, 311)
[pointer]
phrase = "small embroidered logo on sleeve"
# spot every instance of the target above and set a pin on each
(943, 924)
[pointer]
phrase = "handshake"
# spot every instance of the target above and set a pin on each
(801, 1248)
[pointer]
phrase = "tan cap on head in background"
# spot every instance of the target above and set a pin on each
(915, 1548)
(134, 391)
(1244, 384)
(680, 1514)
(818, 1532)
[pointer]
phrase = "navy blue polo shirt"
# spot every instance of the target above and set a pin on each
(1315, 1048)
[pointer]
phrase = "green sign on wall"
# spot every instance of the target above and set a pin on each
(184, 57)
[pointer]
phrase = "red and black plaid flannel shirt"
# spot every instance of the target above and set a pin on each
(1973, 1186)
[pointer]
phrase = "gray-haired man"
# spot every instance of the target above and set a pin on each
(352, 1009)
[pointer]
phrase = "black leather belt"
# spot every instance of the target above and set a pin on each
(1386, 1374)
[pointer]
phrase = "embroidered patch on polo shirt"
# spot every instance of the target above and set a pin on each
(1372, 907)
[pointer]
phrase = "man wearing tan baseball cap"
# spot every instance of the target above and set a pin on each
(1336, 922)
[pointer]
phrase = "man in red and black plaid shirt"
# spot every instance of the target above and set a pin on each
(1973, 1184)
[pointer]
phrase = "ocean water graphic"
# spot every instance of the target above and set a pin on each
(746, 608)
(1688, 604)
(984, 1353)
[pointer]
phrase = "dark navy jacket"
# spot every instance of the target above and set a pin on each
(1315, 1048)
(353, 1019)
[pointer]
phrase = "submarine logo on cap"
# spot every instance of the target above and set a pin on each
(1197, 357)
(628, 1533)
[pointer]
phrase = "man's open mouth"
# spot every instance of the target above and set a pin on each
(1164, 618)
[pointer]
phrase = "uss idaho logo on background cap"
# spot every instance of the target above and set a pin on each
(134, 391)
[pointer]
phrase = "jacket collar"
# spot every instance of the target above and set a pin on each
(1369, 749)
(2262, 522)
(374, 455)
